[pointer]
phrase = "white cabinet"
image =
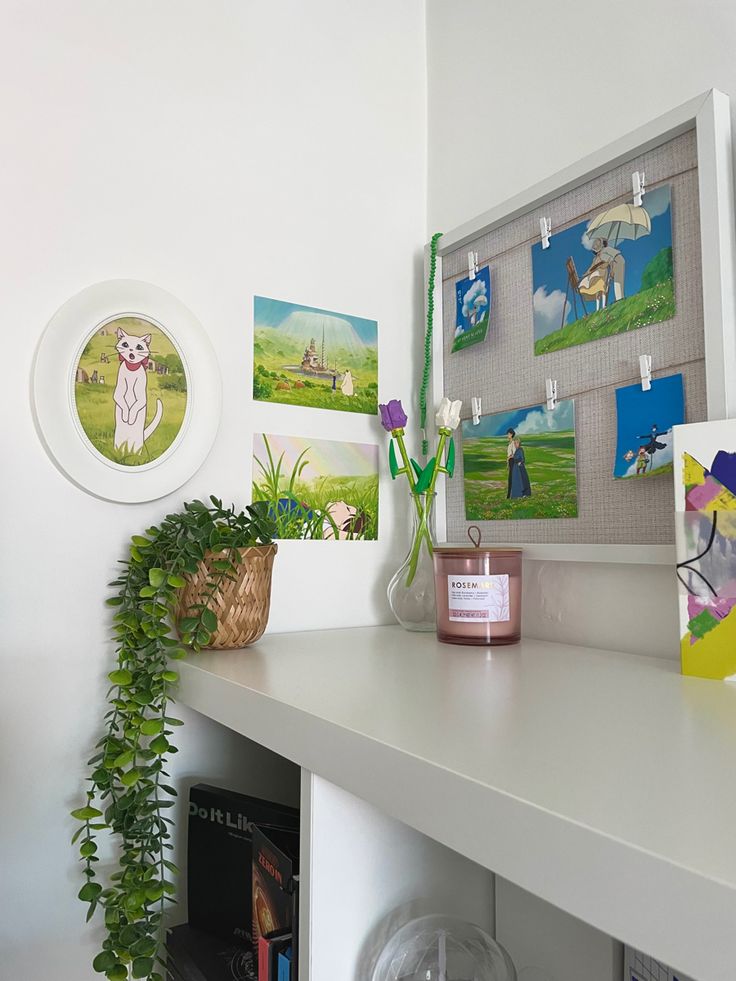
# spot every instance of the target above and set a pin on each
(599, 782)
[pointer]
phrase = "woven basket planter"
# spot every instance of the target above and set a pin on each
(242, 606)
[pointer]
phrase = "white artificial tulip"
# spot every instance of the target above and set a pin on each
(448, 414)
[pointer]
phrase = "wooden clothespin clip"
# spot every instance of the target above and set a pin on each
(551, 386)
(645, 370)
(639, 186)
(475, 408)
(472, 265)
(545, 230)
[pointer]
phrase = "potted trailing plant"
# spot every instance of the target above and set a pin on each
(202, 551)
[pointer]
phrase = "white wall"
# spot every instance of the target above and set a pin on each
(516, 92)
(217, 149)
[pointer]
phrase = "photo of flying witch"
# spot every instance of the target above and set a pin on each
(605, 276)
(130, 391)
(521, 464)
(308, 356)
(644, 421)
(316, 488)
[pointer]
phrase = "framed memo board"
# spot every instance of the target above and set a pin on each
(687, 151)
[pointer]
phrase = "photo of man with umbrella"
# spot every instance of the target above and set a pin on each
(627, 282)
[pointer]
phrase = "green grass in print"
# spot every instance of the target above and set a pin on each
(94, 398)
(307, 356)
(647, 307)
(550, 463)
(306, 500)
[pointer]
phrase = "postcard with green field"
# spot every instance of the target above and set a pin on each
(317, 488)
(521, 464)
(605, 276)
(308, 356)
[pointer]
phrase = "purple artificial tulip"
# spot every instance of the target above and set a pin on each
(392, 416)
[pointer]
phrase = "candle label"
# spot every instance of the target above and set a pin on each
(483, 599)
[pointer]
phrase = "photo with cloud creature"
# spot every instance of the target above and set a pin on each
(644, 422)
(604, 276)
(472, 306)
(521, 464)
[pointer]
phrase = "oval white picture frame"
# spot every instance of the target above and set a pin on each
(57, 419)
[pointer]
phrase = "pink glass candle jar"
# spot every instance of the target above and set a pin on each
(478, 594)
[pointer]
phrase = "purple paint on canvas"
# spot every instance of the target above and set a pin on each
(724, 469)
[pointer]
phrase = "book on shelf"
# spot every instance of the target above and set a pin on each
(220, 857)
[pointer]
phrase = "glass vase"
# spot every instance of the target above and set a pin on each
(411, 590)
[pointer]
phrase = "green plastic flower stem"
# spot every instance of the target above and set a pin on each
(428, 341)
(398, 435)
(422, 535)
(444, 433)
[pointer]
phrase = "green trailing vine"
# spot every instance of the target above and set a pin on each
(128, 793)
(428, 341)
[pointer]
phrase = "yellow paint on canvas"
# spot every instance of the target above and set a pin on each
(724, 501)
(692, 471)
(714, 655)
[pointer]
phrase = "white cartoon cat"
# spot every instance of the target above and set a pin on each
(130, 395)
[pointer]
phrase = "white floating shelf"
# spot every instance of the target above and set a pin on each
(602, 782)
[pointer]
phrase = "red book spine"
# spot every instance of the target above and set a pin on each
(263, 959)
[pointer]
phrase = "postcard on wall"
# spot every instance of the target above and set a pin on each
(472, 309)
(307, 356)
(521, 464)
(705, 526)
(317, 488)
(644, 422)
(605, 276)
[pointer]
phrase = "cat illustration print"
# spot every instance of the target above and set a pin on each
(135, 419)
(130, 393)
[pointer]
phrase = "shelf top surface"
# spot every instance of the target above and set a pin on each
(620, 744)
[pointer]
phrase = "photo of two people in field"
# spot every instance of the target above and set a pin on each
(521, 464)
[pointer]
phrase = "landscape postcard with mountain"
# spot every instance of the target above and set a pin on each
(307, 356)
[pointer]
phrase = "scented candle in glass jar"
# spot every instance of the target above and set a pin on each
(478, 593)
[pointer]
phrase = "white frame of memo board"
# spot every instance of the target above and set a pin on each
(709, 115)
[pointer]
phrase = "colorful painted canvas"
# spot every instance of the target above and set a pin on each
(605, 276)
(316, 488)
(521, 464)
(307, 356)
(130, 391)
(644, 422)
(472, 309)
(705, 505)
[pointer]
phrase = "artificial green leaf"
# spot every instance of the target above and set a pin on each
(140, 541)
(130, 777)
(416, 468)
(176, 581)
(121, 677)
(89, 891)
(188, 623)
(425, 478)
(104, 961)
(392, 462)
(159, 745)
(117, 973)
(87, 848)
(152, 727)
(142, 967)
(114, 601)
(124, 759)
(86, 813)
(171, 677)
(178, 653)
(146, 592)
(156, 576)
(209, 620)
(450, 465)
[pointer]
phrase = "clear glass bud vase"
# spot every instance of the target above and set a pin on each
(411, 590)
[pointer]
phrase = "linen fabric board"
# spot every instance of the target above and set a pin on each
(505, 372)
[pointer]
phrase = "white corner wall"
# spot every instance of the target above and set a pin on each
(516, 91)
(218, 149)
